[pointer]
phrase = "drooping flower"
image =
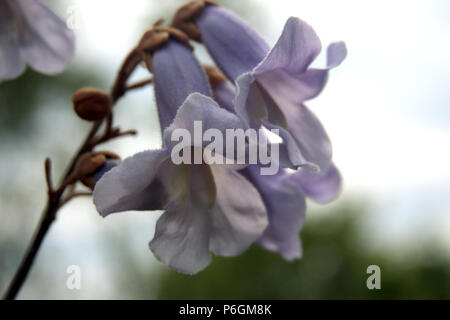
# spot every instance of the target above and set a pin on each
(284, 197)
(284, 193)
(207, 207)
(30, 33)
(272, 83)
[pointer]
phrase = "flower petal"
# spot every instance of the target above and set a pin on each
(198, 107)
(239, 216)
(290, 249)
(323, 187)
(131, 185)
(176, 74)
(180, 240)
(309, 134)
(11, 64)
(290, 155)
(182, 233)
(336, 53)
(286, 208)
(224, 94)
(294, 51)
(299, 87)
(46, 43)
(305, 141)
(109, 164)
(249, 104)
(234, 45)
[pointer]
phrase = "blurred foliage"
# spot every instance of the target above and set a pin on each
(31, 92)
(333, 266)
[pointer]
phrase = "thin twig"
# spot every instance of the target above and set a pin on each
(126, 133)
(54, 199)
(139, 84)
(48, 175)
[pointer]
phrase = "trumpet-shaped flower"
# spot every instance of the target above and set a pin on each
(283, 194)
(208, 208)
(273, 82)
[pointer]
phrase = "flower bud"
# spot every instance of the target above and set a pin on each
(91, 104)
(92, 165)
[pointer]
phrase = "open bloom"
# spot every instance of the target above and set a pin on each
(273, 82)
(207, 207)
(284, 193)
(30, 33)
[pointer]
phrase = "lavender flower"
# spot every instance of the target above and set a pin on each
(30, 33)
(205, 209)
(283, 194)
(272, 83)
(284, 197)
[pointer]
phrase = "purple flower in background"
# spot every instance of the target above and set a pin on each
(272, 83)
(207, 207)
(283, 194)
(30, 33)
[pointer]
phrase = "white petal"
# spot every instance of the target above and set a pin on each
(128, 186)
(180, 240)
(239, 217)
(182, 233)
(205, 111)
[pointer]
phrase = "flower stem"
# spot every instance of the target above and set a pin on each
(54, 201)
(48, 216)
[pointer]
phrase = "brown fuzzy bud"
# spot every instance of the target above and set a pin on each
(91, 104)
(89, 163)
(185, 15)
(215, 76)
(156, 37)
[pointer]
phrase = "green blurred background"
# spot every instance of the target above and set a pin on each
(392, 213)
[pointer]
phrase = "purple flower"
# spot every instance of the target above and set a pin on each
(272, 83)
(284, 197)
(283, 194)
(207, 207)
(30, 33)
